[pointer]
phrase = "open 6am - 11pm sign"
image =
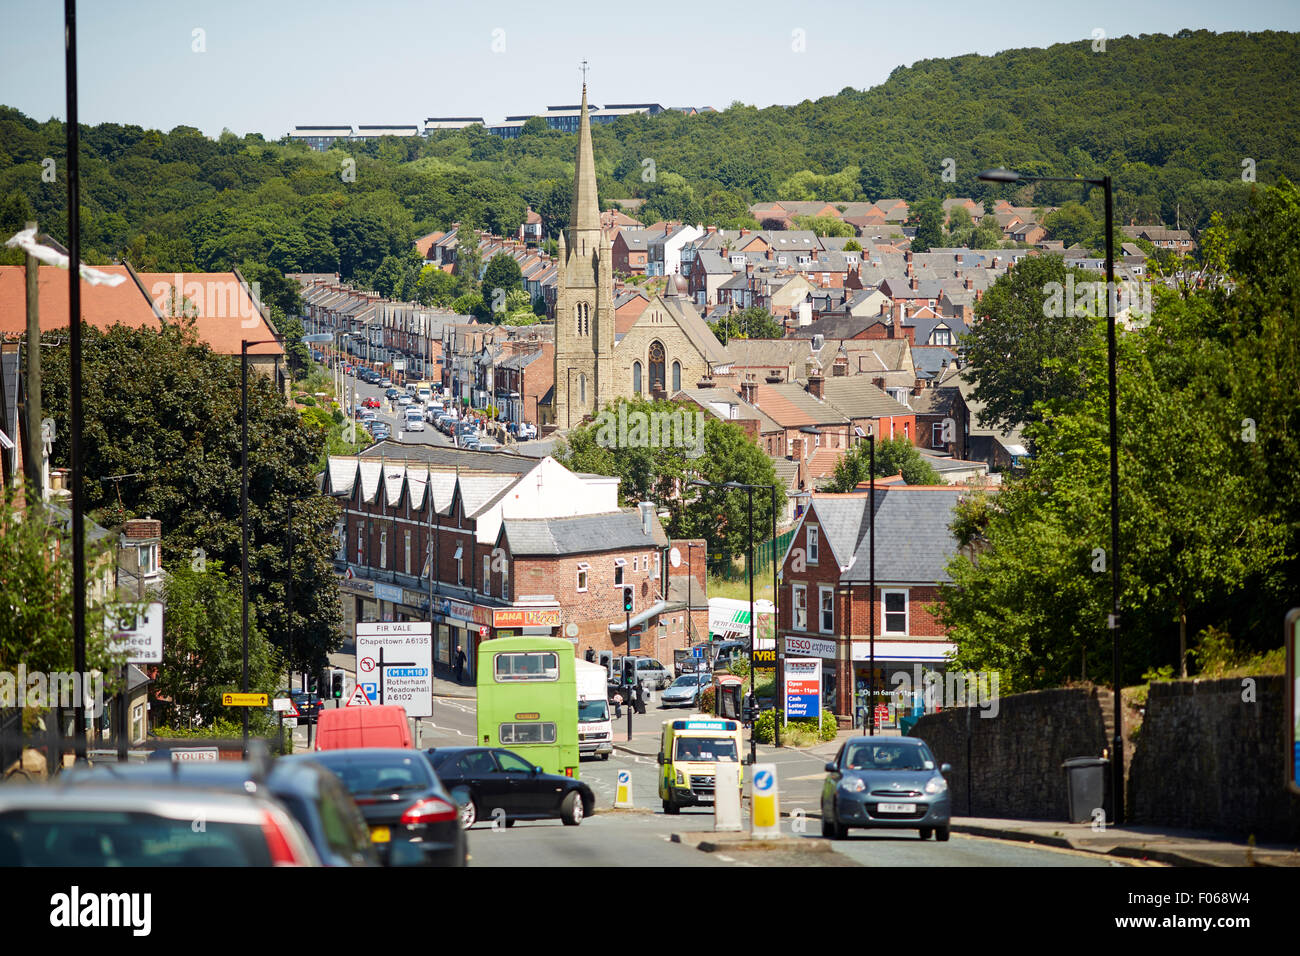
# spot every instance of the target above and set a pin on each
(803, 684)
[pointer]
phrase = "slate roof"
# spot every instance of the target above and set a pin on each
(856, 397)
(613, 531)
(913, 540)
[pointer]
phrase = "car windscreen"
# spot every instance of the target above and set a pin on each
(888, 757)
(80, 838)
(593, 710)
(369, 775)
(687, 680)
(705, 748)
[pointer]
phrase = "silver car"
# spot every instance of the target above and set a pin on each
(685, 691)
(886, 782)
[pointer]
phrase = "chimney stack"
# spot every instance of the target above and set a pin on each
(916, 283)
(970, 284)
(816, 384)
(796, 449)
(879, 382)
(748, 388)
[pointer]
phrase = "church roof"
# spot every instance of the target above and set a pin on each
(701, 336)
(585, 212)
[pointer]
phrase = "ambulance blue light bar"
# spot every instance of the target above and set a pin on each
(704, 725)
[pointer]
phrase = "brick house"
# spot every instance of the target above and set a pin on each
(631, 249)
(825, 607)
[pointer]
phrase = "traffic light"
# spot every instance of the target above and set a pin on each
(336, 685)
(627, 599)
(313, 686)
(629, 670)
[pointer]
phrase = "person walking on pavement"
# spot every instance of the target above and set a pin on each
(591, 655)
(638, 698)
(460, 664)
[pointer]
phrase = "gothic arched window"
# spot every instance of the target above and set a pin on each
(582, 389)
(677, 377)
(636, 378)
(656, 366)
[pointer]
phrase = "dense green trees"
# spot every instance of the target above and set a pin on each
(1209, 513)
(1149, 112)
(754, 322)
(179, 427)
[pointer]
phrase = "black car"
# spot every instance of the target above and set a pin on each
(309, 705)
(483, 780)
(402, 800)
(311, 794)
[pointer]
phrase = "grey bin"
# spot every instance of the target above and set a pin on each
(1086, 786)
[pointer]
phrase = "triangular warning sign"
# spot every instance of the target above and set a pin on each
(293, 710)
(358, 698)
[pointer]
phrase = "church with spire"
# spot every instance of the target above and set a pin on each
(670, 347)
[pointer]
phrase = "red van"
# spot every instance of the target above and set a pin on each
(347, 727)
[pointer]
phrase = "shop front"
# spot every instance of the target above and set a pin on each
(908, 680)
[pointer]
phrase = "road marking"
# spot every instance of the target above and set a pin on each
(807, 776)
(726, 859)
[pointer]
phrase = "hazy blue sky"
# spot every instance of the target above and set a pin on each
(270, 65)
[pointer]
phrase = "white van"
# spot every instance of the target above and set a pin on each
(595, 730)
(414, 420)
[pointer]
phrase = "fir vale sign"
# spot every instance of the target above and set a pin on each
(396, 657)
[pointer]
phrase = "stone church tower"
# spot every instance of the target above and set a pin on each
(584, 302)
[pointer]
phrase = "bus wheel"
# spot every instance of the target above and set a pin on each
(571, 809)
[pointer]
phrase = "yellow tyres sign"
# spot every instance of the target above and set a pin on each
(245, 700)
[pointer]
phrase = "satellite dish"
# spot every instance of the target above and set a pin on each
(675, 558)
(571, 629)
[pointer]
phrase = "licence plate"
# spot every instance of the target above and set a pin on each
(895, 808)
(380, 835)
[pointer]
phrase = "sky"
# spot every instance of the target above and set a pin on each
(271, 65)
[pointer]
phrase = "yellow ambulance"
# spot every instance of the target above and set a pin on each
(689, 750)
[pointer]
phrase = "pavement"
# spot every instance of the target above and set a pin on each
(1153, 844)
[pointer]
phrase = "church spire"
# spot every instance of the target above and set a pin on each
(584, 214)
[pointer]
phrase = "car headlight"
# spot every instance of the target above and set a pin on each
(936, 785)
(853, 784)
(680, 778)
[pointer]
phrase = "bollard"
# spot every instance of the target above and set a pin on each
(726, 796)
(623, 795)
(765, 811)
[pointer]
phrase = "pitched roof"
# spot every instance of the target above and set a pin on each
(613, 531)
(856, 397)
(790, 405)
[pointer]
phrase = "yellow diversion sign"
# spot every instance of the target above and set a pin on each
(245, 700)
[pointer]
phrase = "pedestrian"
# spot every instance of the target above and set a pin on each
(638, 698)
(591, 655)
(460, 663)
(618, 704)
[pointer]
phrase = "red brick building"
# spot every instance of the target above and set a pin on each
(826, 598)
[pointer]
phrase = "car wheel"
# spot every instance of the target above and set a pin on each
(925, 833)
(828, 829)
(604, 756)
(941, 834)
(509, 823)
(571, 809)
(468, 809)
(671, 808)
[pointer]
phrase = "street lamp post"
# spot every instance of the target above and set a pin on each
(1117, 744)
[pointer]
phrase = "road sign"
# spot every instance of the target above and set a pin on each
(291, 721)
(358, 698)
(282, 705)
(726, 796)
(292, 711)
(765, 818)
(138, 635)
(397, 658)
(803, 681)
(623, 795)
(245, 700)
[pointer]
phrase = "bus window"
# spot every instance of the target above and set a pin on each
(530, 733)
(526, 665)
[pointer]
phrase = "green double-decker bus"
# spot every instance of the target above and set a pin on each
(528, 700)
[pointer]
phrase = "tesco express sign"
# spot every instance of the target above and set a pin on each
(810, 647)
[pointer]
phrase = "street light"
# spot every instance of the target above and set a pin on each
(243, 495)
(1117, 744)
